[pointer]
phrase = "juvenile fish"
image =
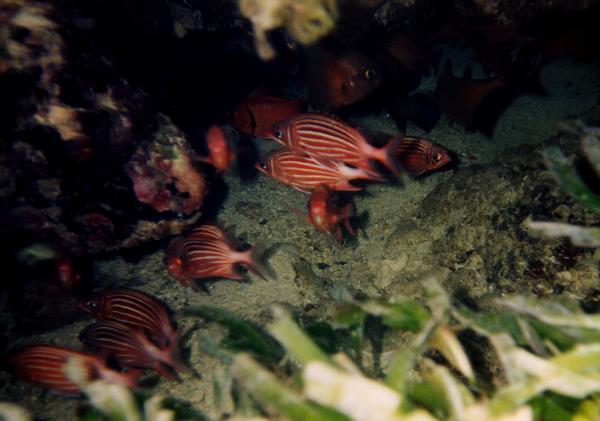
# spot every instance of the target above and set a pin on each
(418, 156)
(220, 150)
(325, 215)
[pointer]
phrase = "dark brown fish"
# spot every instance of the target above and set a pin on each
(135, 309)
(418, 156)
(131, 348)
(408, 52)
(338, 79)
(476, 104)
(257, 115)
(43, 365)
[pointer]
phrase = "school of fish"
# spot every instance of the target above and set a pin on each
(320, 154)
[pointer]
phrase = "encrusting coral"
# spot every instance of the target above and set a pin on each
(163, 172)
(305, 20)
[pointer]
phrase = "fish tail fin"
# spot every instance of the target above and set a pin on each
(161, 369)
(345, 185)
(162, 357)
(254, 260)
(130, 377)
(351, 173)
(344, 217)
(387, 154)
(173, 355)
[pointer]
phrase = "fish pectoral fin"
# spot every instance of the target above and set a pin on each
(346, 186)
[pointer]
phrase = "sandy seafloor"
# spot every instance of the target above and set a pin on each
(461, 222)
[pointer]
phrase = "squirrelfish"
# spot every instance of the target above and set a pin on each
(325, 215)
(136, 309)
(220, 151)
(257, 115)
(304, 172)
(417, 155)
(326, 137)
(207, 252)
(337, 79)
(44, 365)
(130, 347)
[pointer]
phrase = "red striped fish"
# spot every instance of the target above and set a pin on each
(327, 137)
(417, 155)
(135, 309)
(206, 252)
(130, 347)
(305, 173)
(325, 215)
(257, 115)
(43, 365)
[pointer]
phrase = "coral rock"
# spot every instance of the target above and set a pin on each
(163, 172)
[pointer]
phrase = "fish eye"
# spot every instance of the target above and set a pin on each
(278, 134)
(91, 304)
(370, 74)
(437, 157)
(262, 164)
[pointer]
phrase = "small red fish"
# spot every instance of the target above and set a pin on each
(130, 347)
(257, 115)
(43, 365)
(325, 215)
(305, 173)
(338, 79)
(220, 152)
(418, 155)
(135, 309)
(326, 137)
(67, 274)
(206, 252)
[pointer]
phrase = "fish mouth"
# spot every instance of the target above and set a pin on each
(260, 167)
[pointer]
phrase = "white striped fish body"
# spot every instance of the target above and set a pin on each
(212, 259)
(206, 252)
(209, 232)
(43, 365)
(135, 309)
(128, 346)
(329, 138)
(305, 173)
